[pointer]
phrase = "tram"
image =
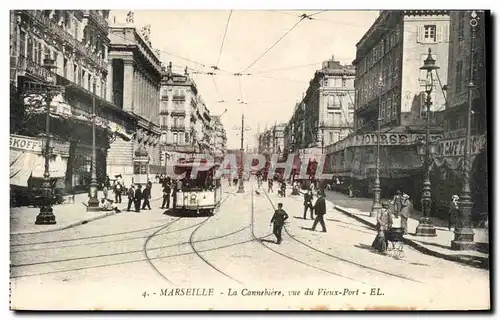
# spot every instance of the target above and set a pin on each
(200, 194)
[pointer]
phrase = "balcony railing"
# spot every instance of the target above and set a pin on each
(163, 110)
(32, 68)
(163, 127)
(164, 97)
(179, 98)
(178, 126)
(67, 37)
(178, 111)
(94, 14)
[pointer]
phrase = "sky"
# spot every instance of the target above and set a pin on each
(195, 39)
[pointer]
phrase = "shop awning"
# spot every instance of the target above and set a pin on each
(21, 163)
(57, 167)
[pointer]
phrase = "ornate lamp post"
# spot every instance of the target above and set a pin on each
(376, 188)
(464, 235)
(46, 215)
(93, 203)
(425, 227)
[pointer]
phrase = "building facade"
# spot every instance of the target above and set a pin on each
(77, 41)
(388, 77)
(220, 138)
(326, 113)
(448, 174)
(135, 76)
(272, 140)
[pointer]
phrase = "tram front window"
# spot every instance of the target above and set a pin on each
(202, 182)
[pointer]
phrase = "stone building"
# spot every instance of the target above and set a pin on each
(77, 41)
(448, 173)
(325, 114)
(219, 143)
(135, 77)
(272, 140)
(388, 75)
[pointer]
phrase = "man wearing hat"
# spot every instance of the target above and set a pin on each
(278, 221)
(320, 211)
(453, 212)
(405, 212)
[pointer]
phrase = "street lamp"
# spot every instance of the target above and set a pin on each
(46, 215)
(376, 188)
(241, 188)
(93, 203)
(464, 235)
(425, 227)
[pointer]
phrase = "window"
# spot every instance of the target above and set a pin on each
(22, 43)
(175, 141)
(460, 25)
(459, 79)
(382, 109)
(330, 137)
(430, 33)
(395, 102)
(186, 136)
(94, 87)
(82, 78)
(65, 68)
(89, 85)
(181, 137)
(336, 119)
(350, 118)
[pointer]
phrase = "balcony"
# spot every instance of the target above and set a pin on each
(164, 97)
(178, 111)
(98, 19)
(163, 110)
(60, 32)
(178, 126)
(178, 98)
(164, 127)
(33, 69)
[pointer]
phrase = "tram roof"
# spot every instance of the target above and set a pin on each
(201, 166)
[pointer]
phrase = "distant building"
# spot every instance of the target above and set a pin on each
(135, 76)
(325, 114)
(272, 140)
(219, 143)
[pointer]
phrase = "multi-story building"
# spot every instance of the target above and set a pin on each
(388, 77)
(452, 147)
(135, 76)
(219, 143)
(326, 111)
(204, 130)
(272, 140)
(77, 41)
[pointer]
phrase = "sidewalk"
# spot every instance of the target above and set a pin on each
(439, 246)
(22, 219)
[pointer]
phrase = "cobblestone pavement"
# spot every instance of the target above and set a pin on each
(104, 263)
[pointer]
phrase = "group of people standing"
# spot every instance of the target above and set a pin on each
(136, 195)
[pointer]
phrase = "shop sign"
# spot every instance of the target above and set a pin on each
(456, 147)
(35, 145)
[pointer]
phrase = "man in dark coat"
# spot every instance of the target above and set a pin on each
(174, 193)
(138, 198)
(130, 195)
(146, 195)
(166, 196)
(279, 219)
(308, 197)
(320, 210)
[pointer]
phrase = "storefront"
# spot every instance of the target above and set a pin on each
(27, 166)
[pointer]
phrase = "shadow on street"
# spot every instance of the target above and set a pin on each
(186, 213)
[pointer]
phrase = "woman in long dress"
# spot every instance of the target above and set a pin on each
(405, 212)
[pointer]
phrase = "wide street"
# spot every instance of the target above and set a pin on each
(125, 260)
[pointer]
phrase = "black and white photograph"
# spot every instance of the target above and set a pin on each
(236, 159)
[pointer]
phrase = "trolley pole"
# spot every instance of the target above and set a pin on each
(241, 187)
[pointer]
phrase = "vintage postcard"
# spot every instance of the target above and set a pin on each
(249, 160)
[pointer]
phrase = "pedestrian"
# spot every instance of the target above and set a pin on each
(320, 211)
(397, 201)
(174, 194)
(138, 198)
(166, 196)
(118, 192)
(278, 219)
(105, 191)
(130, 195)
(270, 186)
(283, 189)
(308, 198)
(146, 196)
(453, 212)
(405, 212)
(383, 222)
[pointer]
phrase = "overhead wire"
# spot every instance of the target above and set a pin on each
(224, 37)
(274, 44)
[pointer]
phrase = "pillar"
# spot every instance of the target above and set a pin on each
(128, 84)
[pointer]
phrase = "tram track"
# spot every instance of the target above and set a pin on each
(340, 258)
(259, 240)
